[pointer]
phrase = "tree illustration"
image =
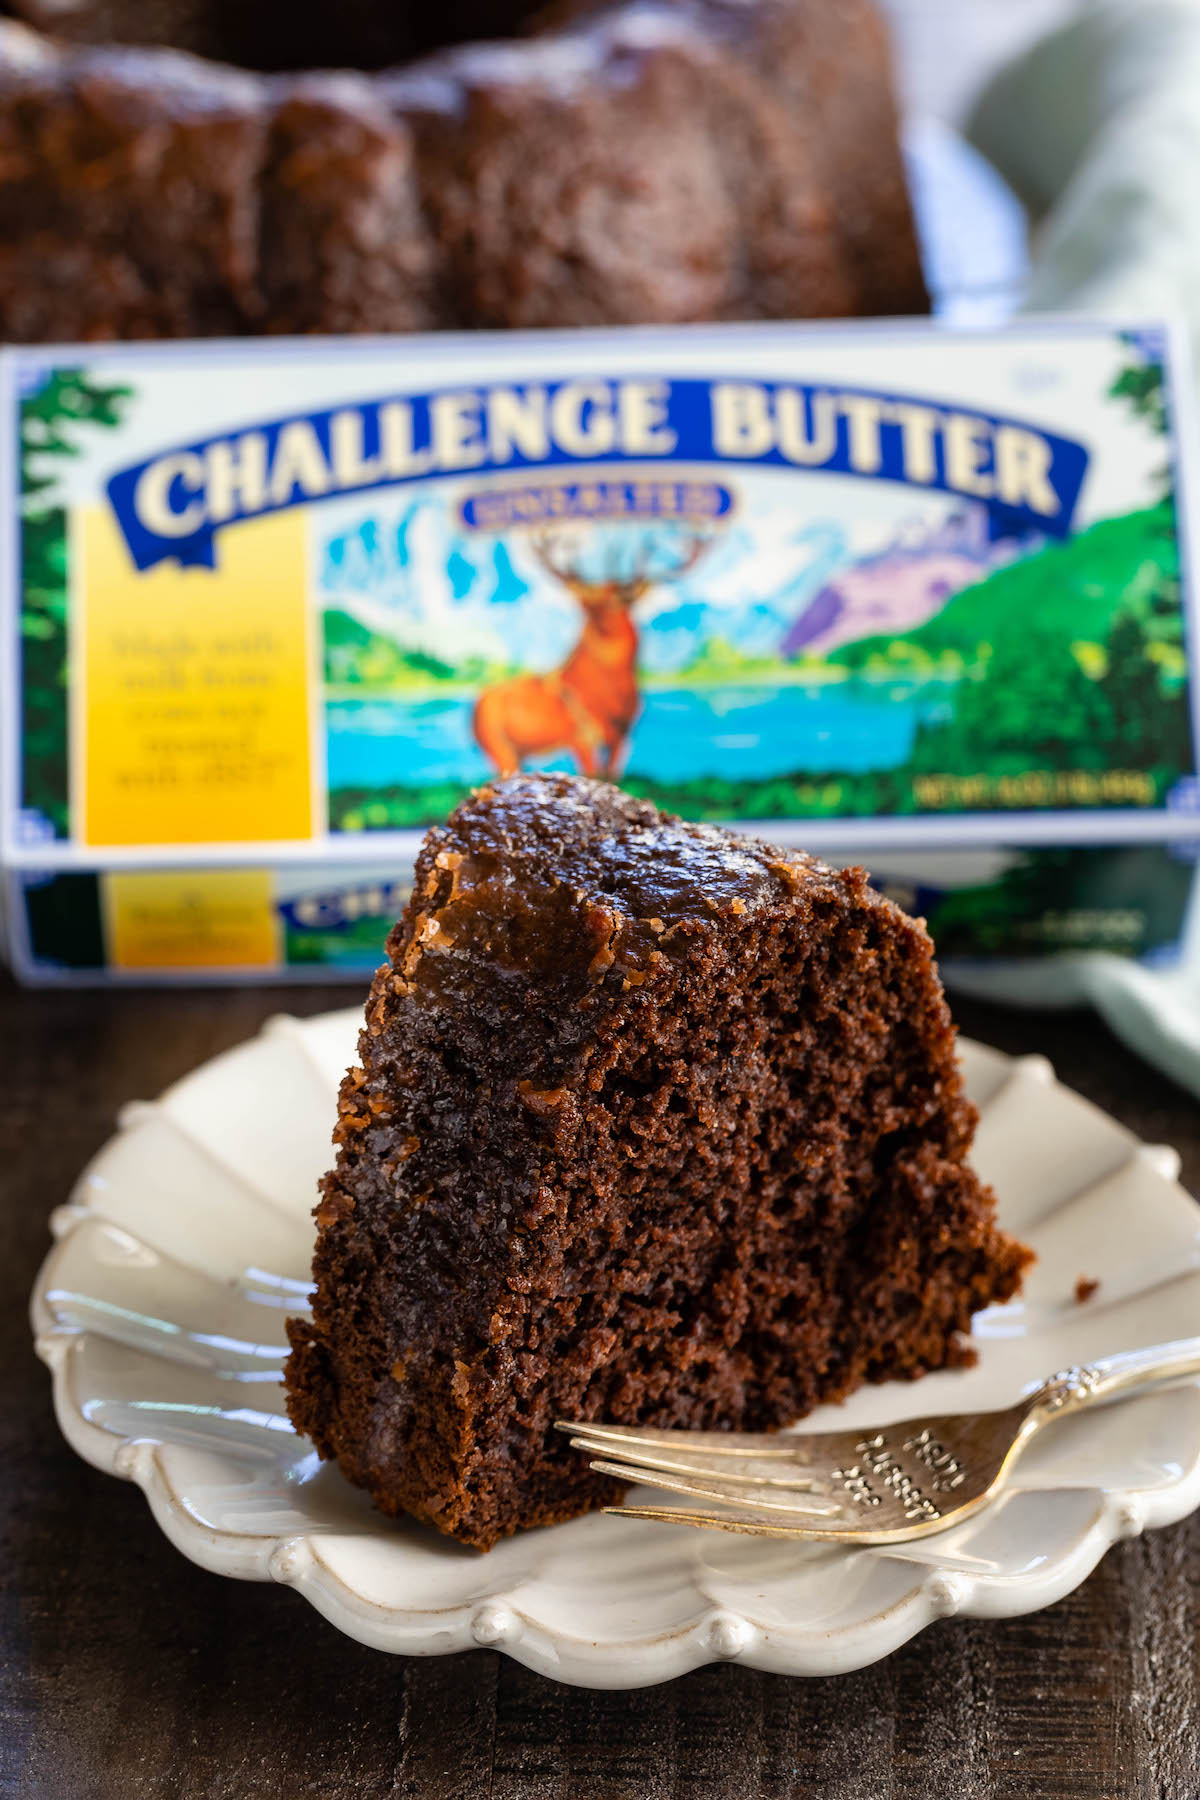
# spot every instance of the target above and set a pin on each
(1143, 385)
(1146, 680)
(67, 398)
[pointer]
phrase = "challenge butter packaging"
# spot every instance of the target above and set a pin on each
(904, 595)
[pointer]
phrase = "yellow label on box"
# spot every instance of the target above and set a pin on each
(193, 710)
(184, 919)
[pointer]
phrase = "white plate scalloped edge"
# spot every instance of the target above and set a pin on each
(185, 1244)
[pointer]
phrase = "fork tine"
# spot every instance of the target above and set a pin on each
(714, 1443)
(675, 1465)
(635, 1472)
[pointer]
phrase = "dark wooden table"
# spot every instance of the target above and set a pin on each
(126, 1672)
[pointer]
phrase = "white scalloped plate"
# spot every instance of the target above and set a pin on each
(160, 1311)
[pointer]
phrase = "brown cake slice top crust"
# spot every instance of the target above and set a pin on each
(552, 872)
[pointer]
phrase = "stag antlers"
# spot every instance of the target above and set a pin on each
(628, 587)
(699, 544)
(542, 545)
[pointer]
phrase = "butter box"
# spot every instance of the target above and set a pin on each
(889, 591)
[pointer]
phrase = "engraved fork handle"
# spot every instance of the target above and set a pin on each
(1070, 1390)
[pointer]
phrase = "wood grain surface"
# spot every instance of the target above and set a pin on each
(126, 1672)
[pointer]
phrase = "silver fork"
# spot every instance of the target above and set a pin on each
(860, 1487)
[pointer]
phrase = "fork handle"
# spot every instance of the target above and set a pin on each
(1087, 1383)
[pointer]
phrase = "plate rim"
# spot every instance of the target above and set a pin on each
(718, 1633)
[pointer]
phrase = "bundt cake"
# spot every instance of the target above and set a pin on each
(653, 1124)
(662, 160)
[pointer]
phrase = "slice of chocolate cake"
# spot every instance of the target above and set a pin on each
(654, 1124)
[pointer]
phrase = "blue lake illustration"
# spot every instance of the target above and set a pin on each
(682, 734)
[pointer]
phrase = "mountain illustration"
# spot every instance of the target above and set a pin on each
(449, 598)
(899, 588)
(459, 599)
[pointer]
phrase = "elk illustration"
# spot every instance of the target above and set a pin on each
(588, 704)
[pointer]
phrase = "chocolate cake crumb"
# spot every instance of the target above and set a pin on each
(1085, 1287)
(714, 1196)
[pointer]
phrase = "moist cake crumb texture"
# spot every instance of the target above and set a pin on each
(652, 1124)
